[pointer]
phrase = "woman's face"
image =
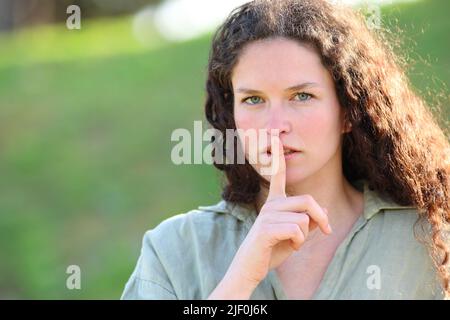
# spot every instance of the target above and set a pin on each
(281, 84)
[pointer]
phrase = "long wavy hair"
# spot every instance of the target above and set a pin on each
(395, 142)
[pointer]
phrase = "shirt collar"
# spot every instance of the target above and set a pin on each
(374, 203)
(242, 212)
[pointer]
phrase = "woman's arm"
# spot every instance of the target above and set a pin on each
(233, 287)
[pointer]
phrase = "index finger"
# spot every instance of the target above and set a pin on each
(278, 172)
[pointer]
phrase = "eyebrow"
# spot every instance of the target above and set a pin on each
(293, 88)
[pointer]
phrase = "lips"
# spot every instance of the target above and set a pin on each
(286, 150)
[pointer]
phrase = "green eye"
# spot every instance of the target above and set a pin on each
(303, 96)
(252, 100)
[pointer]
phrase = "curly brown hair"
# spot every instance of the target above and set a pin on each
(395, 143)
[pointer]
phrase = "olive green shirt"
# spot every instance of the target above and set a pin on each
(187, 255)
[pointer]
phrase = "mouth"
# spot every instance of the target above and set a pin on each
(286, 151)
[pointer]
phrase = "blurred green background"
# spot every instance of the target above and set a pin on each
(85, 123)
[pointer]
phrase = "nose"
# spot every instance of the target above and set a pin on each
(278, 119)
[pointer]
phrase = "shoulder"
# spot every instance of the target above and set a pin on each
(397, 243)
(401, 217)
(387, 217)
(202, 220)
(403, 223)
(194, 237)
(399, 227)
(177, 254)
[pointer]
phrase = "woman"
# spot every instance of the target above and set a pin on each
(358, 205)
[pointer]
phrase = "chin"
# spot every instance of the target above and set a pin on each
(293, 178)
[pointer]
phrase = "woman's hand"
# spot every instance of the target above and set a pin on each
(281, 227)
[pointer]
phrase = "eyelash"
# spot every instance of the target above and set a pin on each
(309, 95)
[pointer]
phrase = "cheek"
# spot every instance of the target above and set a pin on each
(320, 125)
(246, 120)
(251, 132)
(243, 121)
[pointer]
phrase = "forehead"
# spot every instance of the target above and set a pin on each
(280, 61)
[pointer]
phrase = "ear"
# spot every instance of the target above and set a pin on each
(347, 126)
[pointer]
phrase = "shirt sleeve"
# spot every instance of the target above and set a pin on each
(149, 280)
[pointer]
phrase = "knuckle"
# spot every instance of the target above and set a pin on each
(295, 229)
(309, 200)
(300, 235)
(304, 218)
